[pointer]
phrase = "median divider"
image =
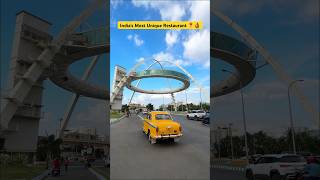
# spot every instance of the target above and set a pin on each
(228, 164)
(231, 168)
(43, 175)
(112, 121)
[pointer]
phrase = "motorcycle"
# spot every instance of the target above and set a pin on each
(55, 172)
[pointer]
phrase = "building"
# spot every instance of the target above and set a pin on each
(80, 142)
(119, 73)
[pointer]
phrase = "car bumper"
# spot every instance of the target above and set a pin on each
(168, 136)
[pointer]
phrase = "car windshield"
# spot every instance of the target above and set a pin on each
(163, 117)
(291, 159)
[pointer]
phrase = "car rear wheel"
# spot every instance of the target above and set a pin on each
(275, 176)
(196, 118)
(152, 140)
(249, 175)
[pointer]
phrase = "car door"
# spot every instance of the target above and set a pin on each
(258, 168)
(145, 122)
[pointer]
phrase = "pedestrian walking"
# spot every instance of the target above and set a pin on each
(55, 167)
(66, 164)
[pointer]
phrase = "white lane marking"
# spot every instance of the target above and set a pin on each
(117, 120)
(140, 117)
(100, 177)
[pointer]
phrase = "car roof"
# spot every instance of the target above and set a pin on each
(159, 112)
(278, 155)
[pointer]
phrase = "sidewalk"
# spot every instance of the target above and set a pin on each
(75, 172)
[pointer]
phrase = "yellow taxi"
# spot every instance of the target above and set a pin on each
(160, 125)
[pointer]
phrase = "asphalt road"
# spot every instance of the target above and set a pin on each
(132, 157)
(77, 170)
(221, 174)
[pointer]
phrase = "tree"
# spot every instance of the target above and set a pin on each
(205, 106)
(170, 107)
(124, 108)
(182, 107)
(48, 148)
(149, 107)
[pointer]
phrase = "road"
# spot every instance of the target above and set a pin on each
(77, 171)
(132, 157)
(221, 174)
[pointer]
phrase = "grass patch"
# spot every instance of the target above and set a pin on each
(116, 115)
(102, 171)
(19, 171)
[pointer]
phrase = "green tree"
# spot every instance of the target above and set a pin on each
(124, 108)
(149, 107)
(48, 148)
(170, 107)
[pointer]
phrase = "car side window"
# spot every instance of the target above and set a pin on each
(261, 160)
(270, 160)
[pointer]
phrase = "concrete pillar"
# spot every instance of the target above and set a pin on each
(30, 32)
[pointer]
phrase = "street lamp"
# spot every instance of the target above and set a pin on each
(230, 131)
(290, 115)
(243, 113)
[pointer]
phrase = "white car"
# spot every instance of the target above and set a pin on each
(275, 166)
(196, 114)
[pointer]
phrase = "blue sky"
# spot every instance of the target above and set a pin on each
(89, 112)
(289, 29)
(188, 48)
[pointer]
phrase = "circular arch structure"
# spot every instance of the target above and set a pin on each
(279, 70)
(158, 73)
(94, 43)
(239, 55)
(127, 80)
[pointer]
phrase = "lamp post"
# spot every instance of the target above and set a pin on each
(290, 115)
(231, 142)
(243, 114)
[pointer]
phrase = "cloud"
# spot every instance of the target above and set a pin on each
(171, 38)
(115, 3)
(200, 11)
(140, 59)
(197, 48)
(94, 116)
(300, 11)
(171, 11)
(165, 56)
(193, 96)
(136, 39)
(266, 104)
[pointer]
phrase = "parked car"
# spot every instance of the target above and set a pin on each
(206, 119)
(160, 125)
(275, 166)
(196, 114)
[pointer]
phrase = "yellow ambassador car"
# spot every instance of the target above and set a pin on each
(160, 125)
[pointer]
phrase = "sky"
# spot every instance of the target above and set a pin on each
(88, 112)
(188, 48)
(289, 30)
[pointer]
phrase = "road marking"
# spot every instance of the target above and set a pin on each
(117, 120)
(140, 117)
(100, 177)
